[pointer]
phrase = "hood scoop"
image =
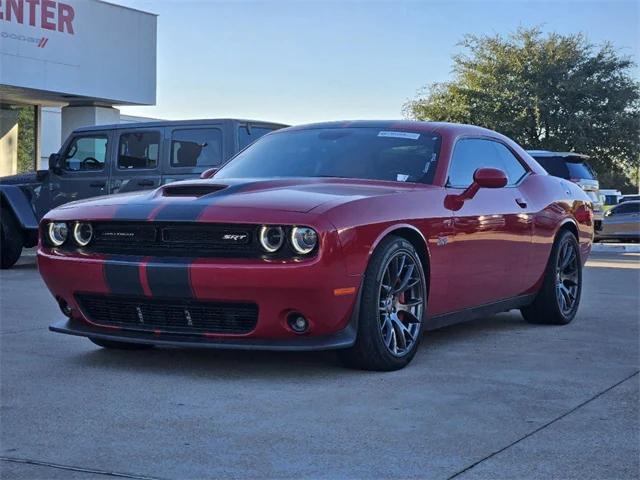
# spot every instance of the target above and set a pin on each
(190, 190)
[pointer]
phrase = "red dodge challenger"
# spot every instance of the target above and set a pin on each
(356, 236)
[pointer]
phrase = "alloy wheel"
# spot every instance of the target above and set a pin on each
(401, 303)
(567, 278)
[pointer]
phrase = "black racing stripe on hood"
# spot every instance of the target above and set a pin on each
(191, 211)
(169, 277)
(123, 278)
(134, 211)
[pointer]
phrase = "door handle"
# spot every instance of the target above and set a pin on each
(146, 183)
(521, 202)
(97, 184)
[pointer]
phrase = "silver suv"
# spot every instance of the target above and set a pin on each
(574, 167)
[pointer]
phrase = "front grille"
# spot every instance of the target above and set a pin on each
(174, 239)
(171, 316)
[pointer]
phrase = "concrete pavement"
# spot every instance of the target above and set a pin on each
(494, 398)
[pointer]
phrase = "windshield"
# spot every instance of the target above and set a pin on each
(364, 153)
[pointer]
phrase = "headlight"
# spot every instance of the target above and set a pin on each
(303, 239)
(82, 233)
(271, 238)
(58, 233)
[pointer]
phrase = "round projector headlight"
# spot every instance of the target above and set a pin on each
(82, 233)
(271, 238)
(58, 233)
(303, 239)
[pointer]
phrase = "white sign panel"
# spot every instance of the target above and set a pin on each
(84, 48)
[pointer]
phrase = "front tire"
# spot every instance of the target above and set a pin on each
(392, 306)
(113, 345)
(559, 297)
(11, 239)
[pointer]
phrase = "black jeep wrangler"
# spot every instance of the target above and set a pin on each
(107, 159)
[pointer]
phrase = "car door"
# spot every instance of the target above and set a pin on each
(493, 230)
(136, 163)
(192, 150)
(85, 169)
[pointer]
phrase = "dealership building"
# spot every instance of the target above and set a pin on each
(68, 64)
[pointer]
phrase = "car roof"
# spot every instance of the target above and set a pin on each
(416, 125)
(549, 153)
(172, 123)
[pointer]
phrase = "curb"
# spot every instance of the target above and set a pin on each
(616, 247)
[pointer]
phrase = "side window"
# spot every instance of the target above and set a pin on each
(469, 155)
(138, 150)
(473, 153)
(248, 135)
(196, 148)
(511, 165)
(86, 153)
(626, 208)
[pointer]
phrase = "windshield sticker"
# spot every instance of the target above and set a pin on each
(401, 177)
(410, 135)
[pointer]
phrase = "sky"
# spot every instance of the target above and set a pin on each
(301, 61)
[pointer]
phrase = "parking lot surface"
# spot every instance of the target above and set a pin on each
(493, 398)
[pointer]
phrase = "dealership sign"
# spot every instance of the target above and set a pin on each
(45, 14)
(84, 49)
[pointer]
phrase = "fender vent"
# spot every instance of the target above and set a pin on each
(190, 190)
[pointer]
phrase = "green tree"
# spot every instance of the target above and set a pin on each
(26, 139)
(556, 92)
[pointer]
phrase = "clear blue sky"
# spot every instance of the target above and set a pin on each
(297, 61)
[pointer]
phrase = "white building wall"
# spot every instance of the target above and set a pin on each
(83, 48)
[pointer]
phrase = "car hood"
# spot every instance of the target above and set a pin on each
(290, 195)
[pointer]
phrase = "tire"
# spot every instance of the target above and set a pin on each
(387, 320)
(111, 344)
(11, 239)
(557, 301)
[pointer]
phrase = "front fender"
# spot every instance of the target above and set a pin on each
(13, 197)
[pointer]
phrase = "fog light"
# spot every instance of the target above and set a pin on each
(64, 307)
(297, 322)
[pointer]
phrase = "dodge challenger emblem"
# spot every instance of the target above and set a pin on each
(140, 317)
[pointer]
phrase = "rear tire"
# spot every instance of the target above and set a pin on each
(392, 306)
(111, 344)
(11, 239)
(559, 297)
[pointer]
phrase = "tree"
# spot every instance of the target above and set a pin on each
(555, 92)
(26, 139)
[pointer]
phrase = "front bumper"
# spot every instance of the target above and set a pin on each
(342, 339)
(276, 287)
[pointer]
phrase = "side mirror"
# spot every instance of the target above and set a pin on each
(482, 178)
(55, 163)
(490, 178)
(208, 173)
